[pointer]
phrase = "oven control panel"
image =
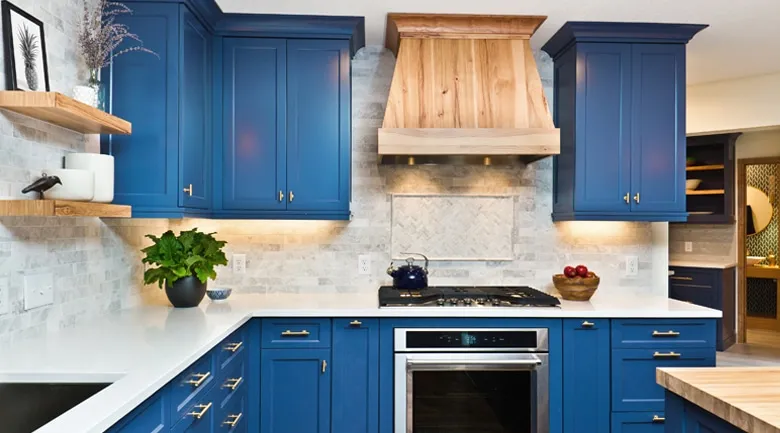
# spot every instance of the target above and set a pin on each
(472, 339)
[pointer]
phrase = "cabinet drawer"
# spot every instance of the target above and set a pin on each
(232, 380)
(199, 416)
(296, 333)
(231, 348)
(633, 374)
(232, 416)
(638, 422)
(697, 277)
(191, 386)
(650, 333)
(704, 296)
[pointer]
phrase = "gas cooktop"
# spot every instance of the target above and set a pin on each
(519, 296)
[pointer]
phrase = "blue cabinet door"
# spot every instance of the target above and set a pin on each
(356, 376)
(637, 422)
(603, 150)
(586, 358)
(318, 125)
(144, 90)
(254, 119)
(295, 391)
(658, 128)
(152, 416)
(195, 113)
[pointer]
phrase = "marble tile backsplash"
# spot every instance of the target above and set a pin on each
(710, 241)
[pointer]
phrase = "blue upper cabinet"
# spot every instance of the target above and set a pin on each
(254, 124)
(620, 104)
(318, 126)
(163, 169)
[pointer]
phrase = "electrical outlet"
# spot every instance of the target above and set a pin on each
(38, 291)
(689, 247)
(239, 263)
(364, 264)
(632, 266)
(5, 304)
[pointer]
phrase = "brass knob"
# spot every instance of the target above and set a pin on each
(636, 198)
(627, 198)
(292, 196)
(355, 323)
(188, 190)
(281, 196)
(587, 324)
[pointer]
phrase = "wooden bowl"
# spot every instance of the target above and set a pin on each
(577, 288)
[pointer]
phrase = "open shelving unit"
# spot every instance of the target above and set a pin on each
(711, 160)
(62, 208)
(61, 110)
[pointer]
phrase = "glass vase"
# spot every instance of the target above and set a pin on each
(99, 88)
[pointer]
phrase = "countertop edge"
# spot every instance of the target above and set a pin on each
(724, 410)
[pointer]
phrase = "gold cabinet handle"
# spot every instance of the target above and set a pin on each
(289, 333)
(324, 366)
(636, 198)
(234, 421)
(233, 347)
(669, 333)
(627, 198)
(233, 383)
(355, 323)
(292, 196)
(658, 419)
(281, 196)
(681, 278)
(201, 377)
(188, 190)
(587, 324)
(203, 409)
(666, 355)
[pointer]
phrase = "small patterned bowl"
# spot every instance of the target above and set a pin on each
(219, 294)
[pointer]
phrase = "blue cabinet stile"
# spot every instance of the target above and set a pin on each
(355, 386)
(586, 354)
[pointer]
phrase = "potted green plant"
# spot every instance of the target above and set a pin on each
(183, 264)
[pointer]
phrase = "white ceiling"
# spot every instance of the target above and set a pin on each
(743, 38)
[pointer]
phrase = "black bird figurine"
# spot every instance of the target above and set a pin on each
(42, 185)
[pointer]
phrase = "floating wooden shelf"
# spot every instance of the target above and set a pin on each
(701, 213)
(63, 208)
(61, 110)
(705, 192)
(705, 167)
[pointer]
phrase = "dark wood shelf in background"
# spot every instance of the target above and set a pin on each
(61, 110)
(63, 208)
(705, 192)
(705, 167)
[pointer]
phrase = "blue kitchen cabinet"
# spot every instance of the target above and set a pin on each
(163, 169)
(620, 104)
(637, 422)
(152, 416)
(355, 387)
(286, 146)
(295, 391)
(686, 417)
(586, 360)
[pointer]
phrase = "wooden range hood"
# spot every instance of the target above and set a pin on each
(465, 87)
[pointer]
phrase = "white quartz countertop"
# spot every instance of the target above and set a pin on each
(139, 350)
(703, 263)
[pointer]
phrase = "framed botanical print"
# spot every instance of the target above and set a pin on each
(25, 50)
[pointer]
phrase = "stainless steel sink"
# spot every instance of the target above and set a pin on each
(24, 407)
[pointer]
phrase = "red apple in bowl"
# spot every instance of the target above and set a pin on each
(582, 271)
(570, 271)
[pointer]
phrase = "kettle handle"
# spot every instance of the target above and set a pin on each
(423, 256)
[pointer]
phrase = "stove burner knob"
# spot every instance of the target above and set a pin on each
(453, 301)
(496, 302)
(468, 301)
(440, 301)
(480, 301)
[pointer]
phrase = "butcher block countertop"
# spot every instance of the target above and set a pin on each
(746, 397)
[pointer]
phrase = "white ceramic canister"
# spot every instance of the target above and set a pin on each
(102, 166)
(77, 185)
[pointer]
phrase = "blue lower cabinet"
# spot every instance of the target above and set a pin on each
(150, 417)
(295, 391)
(637, 422)
(633, 374)
(233, 415)
(586, 358)
(355, 386)
(686, 417)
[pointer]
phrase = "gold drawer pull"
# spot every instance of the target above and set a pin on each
(289, 333)
(666, 355)
(233, 383)
(636, 198)
(682, 278)
(355, 323)
(669, 333)
(233, 347)
(658, 419)
(281, 196)
(626, 198)
(235, 420)
(203, 409)
(324, 366)
(587, 324)
(188, 190)
(201, 377)
(292, 196)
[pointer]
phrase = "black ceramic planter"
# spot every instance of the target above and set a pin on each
(186, 292)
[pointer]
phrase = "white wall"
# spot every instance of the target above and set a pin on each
(734, 105)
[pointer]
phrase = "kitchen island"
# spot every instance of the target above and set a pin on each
(143, 351)
(722, 400)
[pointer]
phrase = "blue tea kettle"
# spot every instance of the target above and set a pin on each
(409, 276)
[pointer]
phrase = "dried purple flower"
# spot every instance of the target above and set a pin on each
(101, 35)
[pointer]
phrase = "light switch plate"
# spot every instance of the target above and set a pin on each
(688, 247)
(5, 303)
(38, 291)
(239, 263)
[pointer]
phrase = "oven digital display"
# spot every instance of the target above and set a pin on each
(470, 339)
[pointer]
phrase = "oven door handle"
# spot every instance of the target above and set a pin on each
(527, 361)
